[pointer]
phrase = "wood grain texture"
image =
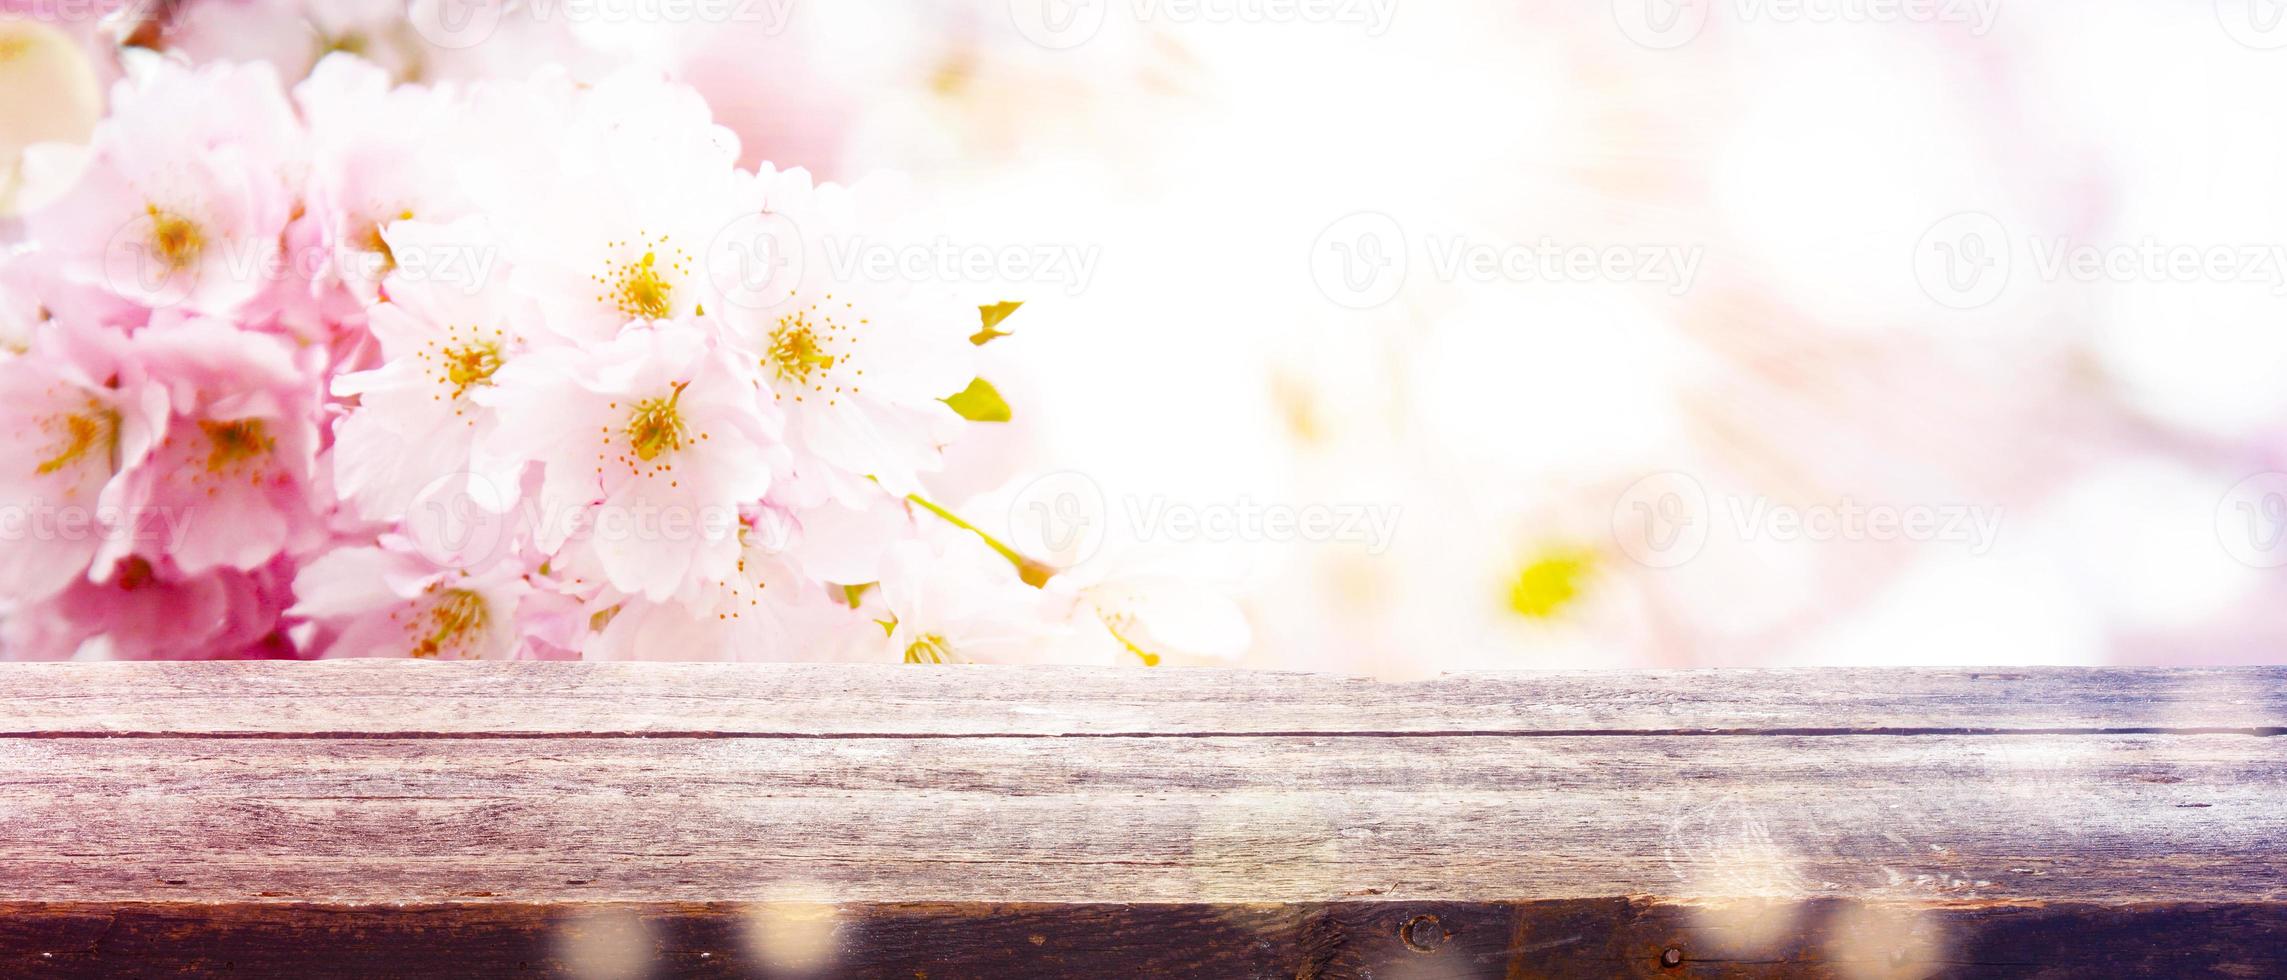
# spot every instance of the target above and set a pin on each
(1393, 941)
(704, 820)
(343, 697)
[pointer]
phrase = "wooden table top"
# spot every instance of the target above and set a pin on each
(628, 820)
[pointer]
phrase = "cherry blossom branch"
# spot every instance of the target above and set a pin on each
(1034, 573)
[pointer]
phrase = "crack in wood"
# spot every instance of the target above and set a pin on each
(1322, 939)
(709, 734)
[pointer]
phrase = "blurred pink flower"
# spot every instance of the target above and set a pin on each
(152, 611)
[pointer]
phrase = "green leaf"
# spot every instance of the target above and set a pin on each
(992, 315)
(979, 402)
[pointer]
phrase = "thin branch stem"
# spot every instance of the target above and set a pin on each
(1034, 573)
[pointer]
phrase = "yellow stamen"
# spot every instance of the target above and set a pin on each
(656, 427)
(930, 649)
(807, 347)
(235, 441)
(81, 435)
(1550, 583)
(794, 349)
(643, 293)
(452, 619)
(350, 42)
(644, 289)
(471, 365)
(178, 239)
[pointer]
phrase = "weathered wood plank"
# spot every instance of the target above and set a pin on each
(1260, 819)
(1399, 941)
(715, 820)
(343, 697)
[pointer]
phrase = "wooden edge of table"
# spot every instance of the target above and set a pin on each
(1618, 937)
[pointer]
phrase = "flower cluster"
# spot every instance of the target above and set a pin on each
(508, 369)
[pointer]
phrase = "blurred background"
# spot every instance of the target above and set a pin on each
(1469, 334)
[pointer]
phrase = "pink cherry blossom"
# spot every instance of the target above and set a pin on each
(418, 419)
(74, 437)
(237, 458)
(637, 186)
(763, 610)
(293, 35)
(187, 194)
(648, 443)
(861, 366)
(150, 610)
(843, 542)
(379, 155)
(522, 367)
(952, 600)
(1152, 617)
(383, 602)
